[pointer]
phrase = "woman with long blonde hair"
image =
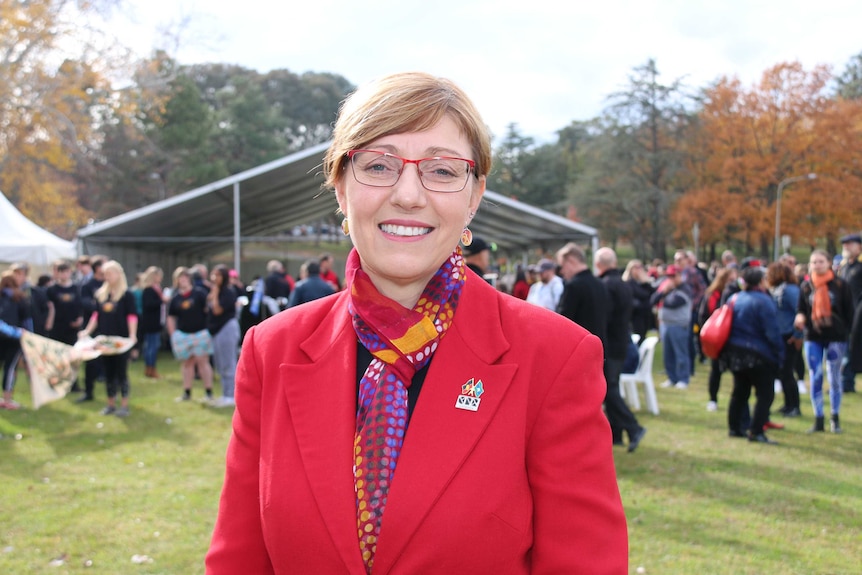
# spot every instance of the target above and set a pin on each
(116, 315)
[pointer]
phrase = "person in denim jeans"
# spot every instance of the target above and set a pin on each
(674, 317)
(152, 318)
(825, 312)
(785, 292)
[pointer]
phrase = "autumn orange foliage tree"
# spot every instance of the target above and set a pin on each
(747, 141)
(47, 105)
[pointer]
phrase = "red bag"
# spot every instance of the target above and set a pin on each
(716, 330)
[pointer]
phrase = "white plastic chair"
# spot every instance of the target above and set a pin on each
(643, 374)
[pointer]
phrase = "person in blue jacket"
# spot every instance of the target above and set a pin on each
(753, 353)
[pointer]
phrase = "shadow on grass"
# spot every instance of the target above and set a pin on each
(70, 429)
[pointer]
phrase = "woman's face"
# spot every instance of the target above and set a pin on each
(184, 283)
(403, 233)
(819, 264)
(215, 278)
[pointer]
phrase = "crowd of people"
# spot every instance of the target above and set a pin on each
(202, 317)
(787, 317)
(197, 316)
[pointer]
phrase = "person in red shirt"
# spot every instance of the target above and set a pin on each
(521, 287)
(326, 272)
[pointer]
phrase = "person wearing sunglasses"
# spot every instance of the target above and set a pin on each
(419, 421)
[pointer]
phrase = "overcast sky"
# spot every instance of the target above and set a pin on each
(540, 64)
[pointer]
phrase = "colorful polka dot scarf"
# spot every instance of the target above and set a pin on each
(401, 341)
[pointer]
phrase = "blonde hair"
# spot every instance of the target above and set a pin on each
(401, 103)
(151, 275)
(105, 291)
(627, 274)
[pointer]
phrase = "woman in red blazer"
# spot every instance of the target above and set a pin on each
(503, 461)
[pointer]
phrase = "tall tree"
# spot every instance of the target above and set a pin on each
(849, 83)
(509, 171)
(249, 130)
(45, 107)
(633, 169)
(186, 131)
(306, 104)
(522, 171)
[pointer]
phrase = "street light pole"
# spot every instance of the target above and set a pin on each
(781, 185)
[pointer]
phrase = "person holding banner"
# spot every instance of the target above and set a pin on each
(115, 315)
(15, 312)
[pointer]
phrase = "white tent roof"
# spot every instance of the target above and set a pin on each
(23, 241)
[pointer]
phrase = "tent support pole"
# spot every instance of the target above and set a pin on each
(236, 230)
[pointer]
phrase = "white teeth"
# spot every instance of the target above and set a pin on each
(408, 231)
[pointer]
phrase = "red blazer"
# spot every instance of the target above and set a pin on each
(525, 484)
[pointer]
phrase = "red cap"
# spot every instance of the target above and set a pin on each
(671, 270)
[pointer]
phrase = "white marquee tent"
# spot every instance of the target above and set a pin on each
(23, 241)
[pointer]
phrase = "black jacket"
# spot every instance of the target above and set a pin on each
(275, 286)
(585, 301)
(619, 333)
(151, 318)
(842, 311)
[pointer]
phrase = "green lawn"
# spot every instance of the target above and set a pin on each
(93, 491)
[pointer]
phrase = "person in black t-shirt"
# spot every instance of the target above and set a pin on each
(153, 309)
(67, 315)
(116, 314)
(190, 340)
(93, 369)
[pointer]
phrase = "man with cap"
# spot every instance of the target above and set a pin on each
(547, 291)
(477, 256)
(850, 270)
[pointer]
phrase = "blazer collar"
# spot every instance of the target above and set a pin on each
(321, 398)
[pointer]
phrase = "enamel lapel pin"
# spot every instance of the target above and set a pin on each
(471, 393)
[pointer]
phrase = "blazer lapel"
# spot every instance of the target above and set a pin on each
(441, 436)
(321, 396)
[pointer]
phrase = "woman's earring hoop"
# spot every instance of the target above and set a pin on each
(466, 237)
(345, 227)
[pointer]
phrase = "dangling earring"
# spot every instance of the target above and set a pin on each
(466, 237)
(345, 227)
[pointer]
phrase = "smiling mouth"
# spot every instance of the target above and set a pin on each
(404, 231)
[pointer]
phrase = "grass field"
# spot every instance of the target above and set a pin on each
(84, 493)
